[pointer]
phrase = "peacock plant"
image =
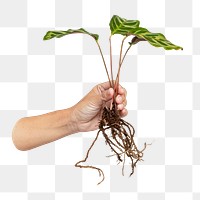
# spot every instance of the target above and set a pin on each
(118, 133)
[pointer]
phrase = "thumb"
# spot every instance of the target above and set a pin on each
(104, 94)
(107, 94)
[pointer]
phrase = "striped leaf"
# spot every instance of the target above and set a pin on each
(122, 26)
(58, 34)
(155, 39)
(126, 27)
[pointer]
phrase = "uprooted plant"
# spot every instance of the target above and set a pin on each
(118, 133)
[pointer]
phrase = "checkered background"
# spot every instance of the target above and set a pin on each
(163, 87)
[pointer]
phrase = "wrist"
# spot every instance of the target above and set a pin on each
(71, 121)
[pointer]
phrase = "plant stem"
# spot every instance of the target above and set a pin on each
(121, 61)
(111, 68)
(134, 41)
(104, 63)
(125, 55)
(117, 78)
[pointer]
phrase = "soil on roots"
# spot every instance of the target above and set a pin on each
(119, 135)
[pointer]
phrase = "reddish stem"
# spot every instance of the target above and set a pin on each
(104, 63)
(120, 64)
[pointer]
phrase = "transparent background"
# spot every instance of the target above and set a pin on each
(163, 87)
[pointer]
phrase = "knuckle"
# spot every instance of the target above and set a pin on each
(125, 91)
(125, 102)
(99, 90)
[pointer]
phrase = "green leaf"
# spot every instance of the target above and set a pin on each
(155, 39)
(122, 26)
(126, 27)
(58, 34)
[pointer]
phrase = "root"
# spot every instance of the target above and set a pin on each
(88, 166)
(120, 140)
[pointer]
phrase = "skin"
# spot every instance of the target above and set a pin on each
(31, 132)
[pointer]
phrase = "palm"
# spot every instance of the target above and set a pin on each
(88, 116)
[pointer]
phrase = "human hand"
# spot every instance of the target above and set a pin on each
(86, 113)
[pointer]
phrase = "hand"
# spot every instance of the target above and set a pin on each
(86, 113)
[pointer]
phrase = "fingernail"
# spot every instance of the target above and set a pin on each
(119, 98)
(120, 106)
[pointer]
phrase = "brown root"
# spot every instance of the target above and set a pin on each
(86, 157)
(119, 135)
